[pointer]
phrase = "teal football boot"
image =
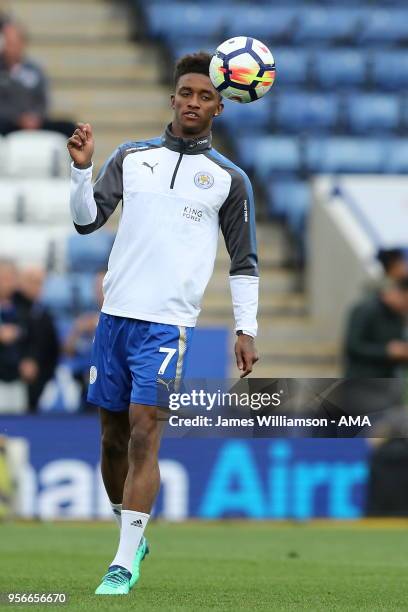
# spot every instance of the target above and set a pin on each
(115, 582)
(141, 553)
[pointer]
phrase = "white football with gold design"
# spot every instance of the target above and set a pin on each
(242, 69)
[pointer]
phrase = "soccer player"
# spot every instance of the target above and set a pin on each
(176, 193)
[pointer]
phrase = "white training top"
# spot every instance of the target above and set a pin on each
(176, 194)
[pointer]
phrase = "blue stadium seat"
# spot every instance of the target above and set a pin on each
(245, 147)
(292, 66)
(332, 3)
(306, 112)
(390, 69)
(63, 326)
(404, 113)
(84, 292)
(269, 23)
(345, 154)
(289, 199)
(244, 118)
(268, 154)
(202, 3)
(368, 113)
(179, 48)
(325, 24)
(397, 157)
(176, 20)
(339, 68)
(69, 294)
(57, 294)
(89, 253)
(384, 25)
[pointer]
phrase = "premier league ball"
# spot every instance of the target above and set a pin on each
(242, 69)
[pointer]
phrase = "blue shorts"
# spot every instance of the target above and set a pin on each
(136, 361)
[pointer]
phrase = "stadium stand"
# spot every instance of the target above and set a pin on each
(396, 161)
(289, 190)
(39, 244)
(339, 105)
(35, 201)
(344, 154)
(89, 253)
(333, 68)
(250, 118)
(44, 201)
(293, 66)
(272, 154)
(389, 70)
(368, 113)
(257, 22)
(22, 158)
(386, 26)
(69, 294)
(326, 25)
(353, 50)
(297, 112)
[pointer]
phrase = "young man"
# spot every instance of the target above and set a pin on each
(176, 192)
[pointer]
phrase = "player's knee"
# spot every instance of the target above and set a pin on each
(114, 445)
(142, 438)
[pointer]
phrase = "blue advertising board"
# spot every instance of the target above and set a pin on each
(208, 478)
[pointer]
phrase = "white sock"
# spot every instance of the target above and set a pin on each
(133, 526)
(117, 511)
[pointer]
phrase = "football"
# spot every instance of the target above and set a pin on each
(242, 69)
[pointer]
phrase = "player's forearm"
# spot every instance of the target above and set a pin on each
(84, 210)
(244, 293)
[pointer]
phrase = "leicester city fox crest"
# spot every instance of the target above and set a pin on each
(204, 180)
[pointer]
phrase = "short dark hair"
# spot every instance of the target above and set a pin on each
(193, 62)
(388, 257)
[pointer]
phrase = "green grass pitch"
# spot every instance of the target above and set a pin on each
(215, 566)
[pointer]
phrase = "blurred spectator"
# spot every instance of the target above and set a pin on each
(23, 87)
(41, 350)
(394, 262)
(6, 485)
(78, 344)
(13, 334)
(13, 323)
(387, 486)
(375, 345)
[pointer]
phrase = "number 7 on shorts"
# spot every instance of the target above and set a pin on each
(170, 352)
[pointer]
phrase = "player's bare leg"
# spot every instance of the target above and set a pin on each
(143, 478)
(115, 434)
(140, 490)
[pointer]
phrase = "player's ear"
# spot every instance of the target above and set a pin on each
(219, 110)
(172, 100)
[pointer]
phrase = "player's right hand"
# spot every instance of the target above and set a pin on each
(81, 145)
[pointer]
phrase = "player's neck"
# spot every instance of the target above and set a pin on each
(178, 131)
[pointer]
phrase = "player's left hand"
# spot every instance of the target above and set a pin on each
(246, 354)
